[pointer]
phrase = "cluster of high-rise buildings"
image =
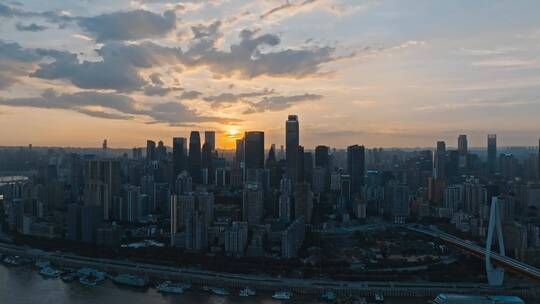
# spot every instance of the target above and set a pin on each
(264, 202)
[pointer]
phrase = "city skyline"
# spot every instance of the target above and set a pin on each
(371, 72)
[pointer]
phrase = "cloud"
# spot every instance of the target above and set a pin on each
(30, 27)
(289, 7)
(129, 25)
(226, 99)
(15, 61)
(280, 103)
(115, 106)
(118, 70)
(247, 60)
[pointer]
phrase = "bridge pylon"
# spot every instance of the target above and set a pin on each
(495, 274)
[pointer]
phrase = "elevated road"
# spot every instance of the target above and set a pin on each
(504, 261)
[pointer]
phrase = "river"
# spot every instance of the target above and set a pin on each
(23, 285)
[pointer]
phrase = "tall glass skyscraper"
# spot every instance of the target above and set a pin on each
(254, 150)
(356, 167)
(179, 156)
(292, 141)
(195, 156)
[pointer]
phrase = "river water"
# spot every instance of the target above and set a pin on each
(23, 285)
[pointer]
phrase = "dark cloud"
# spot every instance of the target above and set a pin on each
(115, 106)
(15, 61)
(159, 90)
(118, 70)
(32, 27)
(226, 99)
(247, 60)
(280, 103)
(189, 95)
(129, 25)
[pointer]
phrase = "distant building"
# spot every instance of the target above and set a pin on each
(292, 238)
(463, 150)
(179, 156)
(356, 168)
(492, 153)
(195, 157)
(101, 183)
(236, 238)
(210, 138)
(253, 203)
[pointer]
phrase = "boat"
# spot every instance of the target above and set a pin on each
(282, 295)
(91, 280)
(220, 291)
(447, 298)
(378, 298)
(50, 272)
(247, 292)
(170, 287)
(90, 277)
(328, 295)
(42, 264)
(131, 280)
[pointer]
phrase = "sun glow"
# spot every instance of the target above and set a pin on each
(230, 135)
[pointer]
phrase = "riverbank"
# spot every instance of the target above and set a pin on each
(263, 283)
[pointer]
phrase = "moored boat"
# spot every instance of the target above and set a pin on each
(247, 292)
(220, 291)
(50, 272)
(131, 280)
(328, 295)
(170, 287)
(282, 295)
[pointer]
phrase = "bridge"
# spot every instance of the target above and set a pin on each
(504, 261)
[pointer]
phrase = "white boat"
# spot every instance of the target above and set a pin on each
(170, 287)
(282, 295)
(247, 292)
(378, 298)
(50, 272)
(220, 291)
(328, 295)
(131, 280)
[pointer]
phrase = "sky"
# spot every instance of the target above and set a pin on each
(377, 73)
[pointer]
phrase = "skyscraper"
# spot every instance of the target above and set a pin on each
(195, 156)
(179, 156)
(206, 163)
(210, 138)
(150, 150)
(254, 150)
(292, 141)
(253, 203)
(492, 153)
(101, 183)
(462, 150)
(440, 161)
(356, 167)
(538, 161)
(322, 156)
(239, 156)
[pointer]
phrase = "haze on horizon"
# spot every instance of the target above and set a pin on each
(378, 73)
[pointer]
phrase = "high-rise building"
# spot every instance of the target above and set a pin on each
(292, 238)
(210, 138)
(196, 231)
(440, 161)
(74, 222)
(104, 148)
(308, 167)
(101, 183)
(151, 150)
(161, 151)
(538, 161)
(179, 156)
(253, 203)
(462, 150)
(235, 239)
(254, 150)
(239, 156)
(292, 141)
(492, 153)
(303, 201)
(195, 156)
(322, 156)
(91, 216)
(356, 168)
(206, 163)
